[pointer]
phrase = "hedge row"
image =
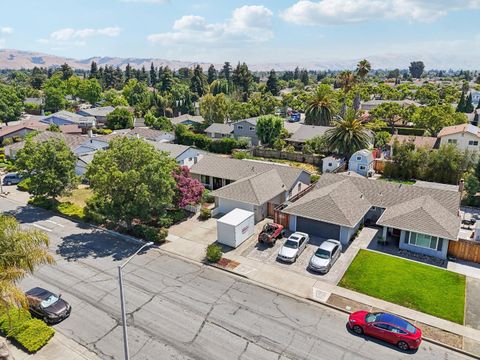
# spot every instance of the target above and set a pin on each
(32, 334)
(406, 131)
(220, 146)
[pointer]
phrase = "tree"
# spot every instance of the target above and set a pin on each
(382, 138)
(461, 106)
(348, 135)
(130, 180)
(416, 69)
(242, 78)
(315, 145)
(114, 98)
(390, 112)
(166, 79)
(226, 71)
(198, 82)
(135, 92)
(272, 83)
(160, 123)
(93, 70)
(53, 128)
(321, 106)
(214, 109)
(188, 191)
(54, 99)
(38, 78)
(120, 118)
(434, 118)
(405, 162)
(363, 68)
(469, 104)
(447, 164)
(11, 106)
(49, 165)
(66, 71)
(153, 75)
(269, 128)
(211, 74)
(90, 90)
(472, 188)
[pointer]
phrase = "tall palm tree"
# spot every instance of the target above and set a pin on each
(321, 106)
(363, 68)
(348, 135)
(346, 79)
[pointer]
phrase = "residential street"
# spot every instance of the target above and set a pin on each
(181, 310)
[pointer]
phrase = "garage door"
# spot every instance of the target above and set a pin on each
(318, 228)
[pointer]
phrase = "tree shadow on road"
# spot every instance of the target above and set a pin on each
(95, 244)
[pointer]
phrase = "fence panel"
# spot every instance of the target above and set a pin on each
(465, 250)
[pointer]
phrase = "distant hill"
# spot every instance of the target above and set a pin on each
(18, 59)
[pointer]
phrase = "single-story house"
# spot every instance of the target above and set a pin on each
(19, 131)
(249, 185)
(305, 133)
(247, 129)
(372, 104)
(332, 162)
(183, 155)
(68, 118)
(219, 131)
(361, 162)
(99, 113)
(187, 119)
(464, 136)
(83, 161)
(422, 219)
(151, 134)
(90, 145)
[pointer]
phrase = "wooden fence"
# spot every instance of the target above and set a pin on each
(292, 156)
(379, 166)
(465, 250)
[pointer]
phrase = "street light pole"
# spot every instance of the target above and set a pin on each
(122, 300)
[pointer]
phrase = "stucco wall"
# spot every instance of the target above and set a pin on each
(403, 244)
(226, 205)
(462, 141)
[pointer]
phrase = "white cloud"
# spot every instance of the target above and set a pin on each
(6, 30)
(247, 24)
(307, 12)
(78, 36)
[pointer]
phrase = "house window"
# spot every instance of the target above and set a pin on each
(362, 167)
(452, 141)
(359, 158)
(330, 164)
(252, 128)
(205, 179)
(423, 240)
(239, 127)
(472, 142)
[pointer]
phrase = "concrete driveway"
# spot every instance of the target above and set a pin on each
(472, 303)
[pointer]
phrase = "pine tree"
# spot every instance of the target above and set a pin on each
(304, 77)
(211, 74)
(469, 104)
(296, 73)
(461, 104)
(475, 119)
(128, 72)
(153, 75)
(272, 83)
(93, 70)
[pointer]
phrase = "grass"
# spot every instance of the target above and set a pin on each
(313, 169)
(417, 286)
(78, 196)
(65, 208)
(398, 181)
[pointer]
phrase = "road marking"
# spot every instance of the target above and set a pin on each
(42, 227)
(55, 223)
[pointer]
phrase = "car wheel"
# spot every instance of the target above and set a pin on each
(402, 345)
(8, 183)
(357, 329)
(45, 320)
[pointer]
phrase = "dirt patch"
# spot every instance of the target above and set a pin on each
(439, 335)
(347, 304)
(227, 264)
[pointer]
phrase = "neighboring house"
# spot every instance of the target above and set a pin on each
(464, 136)
(187, 119)
(361, 162)
(247, 129)
(183, 155)
(83, 161)
(372, 104)
(68, 118)
(421, 219)
(420, 142)
(305, 133)
(332, 162)
(99, 113)
(219, 131)
(19, 131)
(151, 134)
(475, 97)
(91, 145)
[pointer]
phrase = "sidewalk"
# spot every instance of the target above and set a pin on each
(440, 330)
(59, 347)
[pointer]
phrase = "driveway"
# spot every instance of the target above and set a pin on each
(472, 303)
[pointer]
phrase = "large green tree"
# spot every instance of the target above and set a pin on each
(130, 180)
(120, 118)
(49, 165)
(90, 90)
(321, 106)
(434, 118)
(135, 92)
(269, 128)
(11, 106)
(214, 109)
(198, 82)
(272, 83)
(416, 69)
(390, 112)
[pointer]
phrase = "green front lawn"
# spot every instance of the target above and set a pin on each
(417, 286)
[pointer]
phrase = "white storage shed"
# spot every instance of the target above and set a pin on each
(235, 227)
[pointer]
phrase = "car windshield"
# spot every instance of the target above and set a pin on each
(371, 317)
(291, 244)
(52, 299)
(322, 254)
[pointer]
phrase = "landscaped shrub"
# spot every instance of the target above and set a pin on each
(205, 213)
(214, 253)
(7, 141)
(162, 235)
(165, 222)
(223, 146)
(72, 210)
(314, 178)
(24, 185)
(240, 155)
(104, 131)
(207, 197)
(32, 334)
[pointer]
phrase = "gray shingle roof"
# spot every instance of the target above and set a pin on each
(307, 132)
(256, 189)
(146, 133)
(179, 119)
(71, 140)
(234, 169)
(174, 150)
(98, 111)
(437, 203)
(220, 128)
(69, 116)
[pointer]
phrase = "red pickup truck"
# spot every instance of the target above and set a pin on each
(270, 233)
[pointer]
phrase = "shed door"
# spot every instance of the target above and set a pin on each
(318, 228)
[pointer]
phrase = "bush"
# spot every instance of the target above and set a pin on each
(102, 131)
(24, 185)
(314, 178)
(150, 233)
(205, 213)
(214, 253)
(162, 235)
(406, 131)
(165, 222)
(223, 146)
(207, 197)
(72, 210)
(240, 155)
(32, 334)
(7, 141)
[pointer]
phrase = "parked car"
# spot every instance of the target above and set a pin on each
(11, 179)
(46, 305)
(387, 327)
(294, 116)
(270, 233)
(325, 256)
(293, 247)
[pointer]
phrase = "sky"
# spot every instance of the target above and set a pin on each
(260, 31)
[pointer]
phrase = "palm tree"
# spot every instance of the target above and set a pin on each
(363, 68)
(21, 251)
(321, 106)
(346, 79)
(348, 135)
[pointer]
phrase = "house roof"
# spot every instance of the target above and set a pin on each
(364, 152)
(404, 102)
(8, 129)
(458, 129)
(86, 158)
(174, 150)
(256, 189)
(220, 128)
(307, 132)
(147, 133)
(437, 211)
(234, 169)
(98, 111)
(72, 140)
(291, 127)
(179, 119)
(427, 142)
(251, 121)
(69, 116)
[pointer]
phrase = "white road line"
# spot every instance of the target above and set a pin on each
(42, 227)
(55, 223)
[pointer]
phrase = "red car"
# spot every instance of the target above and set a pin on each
(387, 327)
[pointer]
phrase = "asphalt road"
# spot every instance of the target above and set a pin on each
(180, 310)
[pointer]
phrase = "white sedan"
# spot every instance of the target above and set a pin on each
(293, 247)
